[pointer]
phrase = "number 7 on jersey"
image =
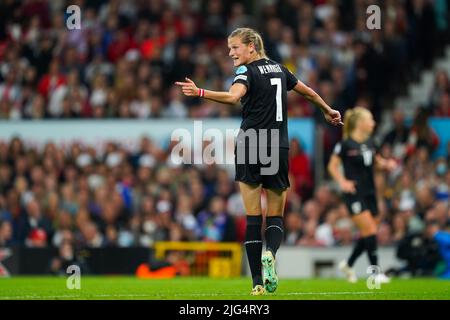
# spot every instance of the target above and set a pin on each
(277, 82)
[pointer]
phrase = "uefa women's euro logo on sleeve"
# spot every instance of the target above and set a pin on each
(241, 70)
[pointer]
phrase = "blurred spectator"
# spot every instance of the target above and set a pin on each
(420, 253)
(66, 257)
(311, 210)
(10, 89)
(397, 138)
(443, 106)
(293, 228)
(239, 17)
(300, 168)
(52, 80)
(184, 216)
(90, 237)
(441, 86)
(400, 228)
(214, 27)
(308, 239)
(407, 211)
(325, 232)
(215, 223)
(32, 226)
(37, 238)
(344, 231)
(176, 107)
(6, 234)
(442, 238)
(421, 134)
(384, 234)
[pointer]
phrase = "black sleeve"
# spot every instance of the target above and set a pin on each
(243, 76)
(291, 80)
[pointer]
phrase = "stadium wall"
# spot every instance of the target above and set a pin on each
(96, 261)
(129, 132)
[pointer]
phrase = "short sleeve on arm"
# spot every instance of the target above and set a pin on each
(338, 149)
(242, 75)
(291, 80)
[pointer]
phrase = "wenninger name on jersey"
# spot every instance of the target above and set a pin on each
(269, 68)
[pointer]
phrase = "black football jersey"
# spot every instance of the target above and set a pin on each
(358, 161)
(264, 106)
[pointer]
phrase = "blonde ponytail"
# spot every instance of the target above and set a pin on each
(247, 36)
(351, 118)
(259, 46)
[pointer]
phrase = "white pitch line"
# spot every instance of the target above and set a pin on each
(331, 293)
(181, 294)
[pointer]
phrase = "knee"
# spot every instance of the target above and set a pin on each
(253, 211)
(275, 210)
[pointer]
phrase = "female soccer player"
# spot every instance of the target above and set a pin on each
(357, 153)
(261, 85)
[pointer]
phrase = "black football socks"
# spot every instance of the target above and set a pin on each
(357, 250)
(253, 246)
(367, 243)
(371, 247)
(274, 233)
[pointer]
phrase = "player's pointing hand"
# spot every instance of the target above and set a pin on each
(189, 88)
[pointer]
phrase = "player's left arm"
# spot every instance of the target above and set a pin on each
(331, 115)
(382, 163)
(292, 83)
(236, 92)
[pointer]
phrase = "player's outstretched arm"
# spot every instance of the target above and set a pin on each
(236, 92)
(332, 116)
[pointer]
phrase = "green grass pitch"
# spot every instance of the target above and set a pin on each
(119, 288)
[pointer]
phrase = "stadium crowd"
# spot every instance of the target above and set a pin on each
(122, 64)
(123, 61)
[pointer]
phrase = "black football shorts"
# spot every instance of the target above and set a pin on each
(359, 203)
(253, 172)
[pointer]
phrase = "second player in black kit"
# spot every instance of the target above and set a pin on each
(357, 154)
(358, 162)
